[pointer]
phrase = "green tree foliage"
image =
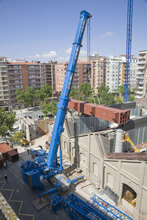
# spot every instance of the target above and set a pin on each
(132, 98)
(29, 96)
(53, 107)
(118, 99)
(7, 120)
(25, 97)
(74, 93)
(85, 90)
(44, 93)
(105, 97)
(47, 108)
(20, 96)
(17, 136)
(121, 90)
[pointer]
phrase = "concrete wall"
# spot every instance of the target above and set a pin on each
(34, 128)
(88, 152)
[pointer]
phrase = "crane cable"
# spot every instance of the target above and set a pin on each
(88, 46)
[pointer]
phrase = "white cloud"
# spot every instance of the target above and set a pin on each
(107, 34)
(48, 55)
(60, 59)
(82, 52)
(37, 56)
(68, 51)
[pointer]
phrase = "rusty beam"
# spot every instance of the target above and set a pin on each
(100, 111)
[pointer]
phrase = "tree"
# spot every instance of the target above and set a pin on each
(20, 96)
(118, 99)
(133, 91)
(102, 89)
(121, 90)
(7, 120)
(25, 97)
(132, 98)
(46, 92)
(74, 93)
(17, 136)
(53, 107)
(47, 108)
(85, 90)
(29, 96)
(105, 97)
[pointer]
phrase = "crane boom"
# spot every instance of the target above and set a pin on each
(64, 98)
(45, 166)
(128, 50)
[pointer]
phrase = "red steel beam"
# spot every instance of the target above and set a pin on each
(100, 111)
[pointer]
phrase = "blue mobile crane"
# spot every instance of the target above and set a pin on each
(46, 166)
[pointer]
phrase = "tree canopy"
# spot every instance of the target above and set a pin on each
(7, 120)
(25, 97)
(105, 97)
(47, 108)
(30, 96)
(85, 90)
(17, 136)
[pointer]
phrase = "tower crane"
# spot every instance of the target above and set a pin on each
(128, 50)
(46, 166)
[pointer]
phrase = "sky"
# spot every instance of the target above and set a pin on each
(45, 29)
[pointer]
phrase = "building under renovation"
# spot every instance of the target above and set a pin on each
(95, 146)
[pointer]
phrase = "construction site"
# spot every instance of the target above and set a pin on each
(87, 162)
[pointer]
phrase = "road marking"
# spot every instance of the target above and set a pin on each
(8, 212)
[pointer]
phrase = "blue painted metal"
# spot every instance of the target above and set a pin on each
(128, 50)
(76, 208)
(97, 208)
(43, 166)
(76, 180)
(56, 202)
(64, 98)
(108, 209)
(49, 192)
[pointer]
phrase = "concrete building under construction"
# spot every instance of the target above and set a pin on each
(95, 146)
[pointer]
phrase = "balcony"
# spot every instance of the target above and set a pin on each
(141, 77)
(140, 87)
(4, 80)
(141, 67)
(139, 92)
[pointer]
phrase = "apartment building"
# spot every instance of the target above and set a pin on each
(133, 71)
(4, 82)
(98, 71)
(115, 73)
(142, 75)
(23, 74)
(47, 74)
(80, 76)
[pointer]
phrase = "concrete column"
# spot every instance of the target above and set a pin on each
(28, 132)
(119, 181)
(139, 194)
(89, 143)
(119, 143)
